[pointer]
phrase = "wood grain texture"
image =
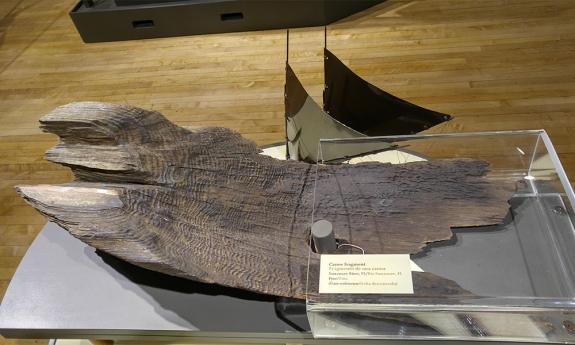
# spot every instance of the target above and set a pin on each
(205, 205)
(495, 64)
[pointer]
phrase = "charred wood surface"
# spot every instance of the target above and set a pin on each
(204, 204)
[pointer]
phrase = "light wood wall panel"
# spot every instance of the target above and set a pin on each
(493, 64)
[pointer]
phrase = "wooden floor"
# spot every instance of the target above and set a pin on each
(494, 64)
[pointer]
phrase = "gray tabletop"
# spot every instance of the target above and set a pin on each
(64, 288)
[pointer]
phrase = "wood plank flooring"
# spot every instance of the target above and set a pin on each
(494, 64)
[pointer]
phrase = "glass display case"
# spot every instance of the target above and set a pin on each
(511, 281)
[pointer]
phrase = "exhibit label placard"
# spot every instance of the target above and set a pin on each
(371, 273)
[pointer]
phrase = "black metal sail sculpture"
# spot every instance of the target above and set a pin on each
(366, 108)
(352, 108)
(307, 123)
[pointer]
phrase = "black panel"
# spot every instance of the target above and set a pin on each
(113, 20)
(295, 93)
(306, 123)
(368, 109)
(156, 2)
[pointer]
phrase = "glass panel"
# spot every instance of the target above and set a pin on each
(512, 281)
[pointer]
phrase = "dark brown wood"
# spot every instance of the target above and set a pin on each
(204, 204)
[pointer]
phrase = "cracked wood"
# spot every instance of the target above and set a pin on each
(203, 204)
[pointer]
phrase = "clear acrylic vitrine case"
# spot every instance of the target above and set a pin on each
(520, 273)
